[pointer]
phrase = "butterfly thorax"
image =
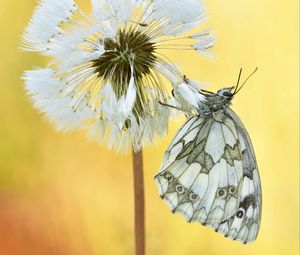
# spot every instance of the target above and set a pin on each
(215, 103)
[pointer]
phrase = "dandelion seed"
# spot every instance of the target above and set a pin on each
(108, 68)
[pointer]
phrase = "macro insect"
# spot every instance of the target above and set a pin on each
(209, 173)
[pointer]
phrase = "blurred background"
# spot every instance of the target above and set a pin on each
(62, 195)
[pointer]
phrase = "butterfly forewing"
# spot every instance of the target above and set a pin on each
(209, 174)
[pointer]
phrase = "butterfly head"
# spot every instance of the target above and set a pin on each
(226, 94)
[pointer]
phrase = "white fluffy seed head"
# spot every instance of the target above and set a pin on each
(107, 70)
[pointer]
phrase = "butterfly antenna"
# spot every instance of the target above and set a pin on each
(235, 92)
(238, 82)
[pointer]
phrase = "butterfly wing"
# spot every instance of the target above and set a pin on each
(246, 223)
(202, 175)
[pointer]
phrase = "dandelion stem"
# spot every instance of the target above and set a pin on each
(139, 201)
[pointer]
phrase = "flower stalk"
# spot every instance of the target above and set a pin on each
(139, 202)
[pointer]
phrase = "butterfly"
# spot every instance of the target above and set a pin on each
(209, 172)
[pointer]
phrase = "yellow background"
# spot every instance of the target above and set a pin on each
(61, 195)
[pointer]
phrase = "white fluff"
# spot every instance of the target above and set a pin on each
(205, 42)
(181, 15)
(188, 95)
(71, 45)
(117, 111)
(119, 9)
(45, 22)
(45, 92)
(122, 8)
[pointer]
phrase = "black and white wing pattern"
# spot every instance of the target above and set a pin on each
(209, 175)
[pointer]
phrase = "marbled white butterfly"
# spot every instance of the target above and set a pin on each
(209, 173)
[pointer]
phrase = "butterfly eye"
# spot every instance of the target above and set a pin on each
(193, 196)
(227, 94)
(221, 193)
(180, 189)
(240, 214)
(232, 190)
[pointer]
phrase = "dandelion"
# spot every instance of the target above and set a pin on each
(109, 71)
(106, 73)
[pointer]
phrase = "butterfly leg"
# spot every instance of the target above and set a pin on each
(175, 107)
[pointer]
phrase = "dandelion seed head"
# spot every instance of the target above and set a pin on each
(108, 68)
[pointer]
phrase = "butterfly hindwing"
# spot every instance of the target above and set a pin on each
(205, 176)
